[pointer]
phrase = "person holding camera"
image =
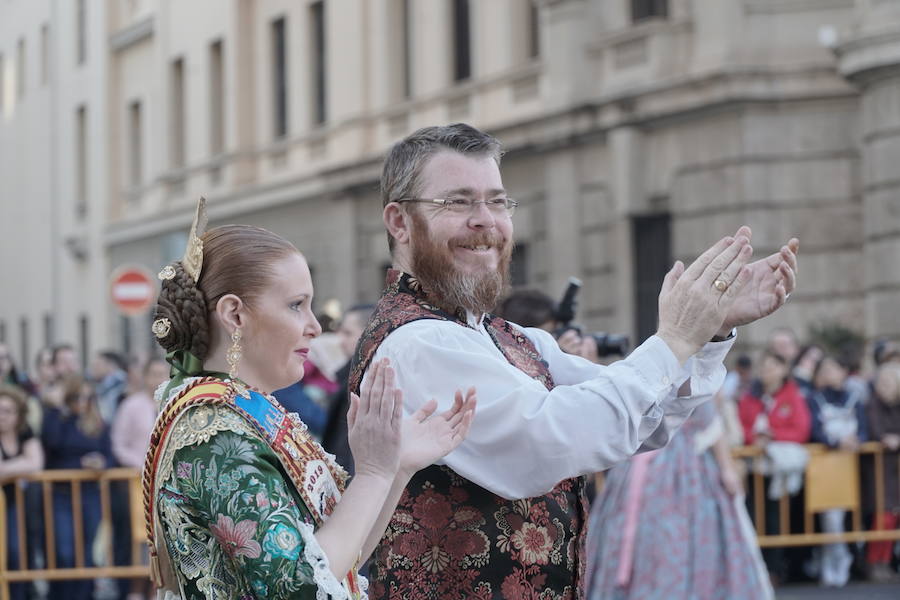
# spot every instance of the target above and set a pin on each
(503, 515)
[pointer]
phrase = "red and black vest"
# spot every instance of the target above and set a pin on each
(451, 539)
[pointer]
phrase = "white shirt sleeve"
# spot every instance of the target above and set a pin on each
(525, 439)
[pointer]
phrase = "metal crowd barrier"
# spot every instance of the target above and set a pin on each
(832, 480)
(74, 480)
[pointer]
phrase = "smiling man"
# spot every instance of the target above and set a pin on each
(503, 515)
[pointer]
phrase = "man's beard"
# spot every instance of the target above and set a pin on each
(445, 284)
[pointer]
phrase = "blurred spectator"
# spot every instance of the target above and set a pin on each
(110, 381)
(134, 420)
(737, 383)
(64, 360)
(804, 367)
(334, 439)
(9, 374)
(839, 420)
(530, 308)
(44, 373)
(130, 435)
(783, 342)
(884, 426)
(773, 408)
(838, 412)
(75, 437)
(21, 455)
(311, 396)
(885, 350)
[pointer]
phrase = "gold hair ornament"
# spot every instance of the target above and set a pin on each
(193, 254)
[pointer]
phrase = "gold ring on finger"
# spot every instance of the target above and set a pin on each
(720, 285)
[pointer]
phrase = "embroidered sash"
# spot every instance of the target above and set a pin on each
(319, 481)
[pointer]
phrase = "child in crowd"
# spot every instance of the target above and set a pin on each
(838, 420)
(884, 426)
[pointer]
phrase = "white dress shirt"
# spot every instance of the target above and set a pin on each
(525, 439)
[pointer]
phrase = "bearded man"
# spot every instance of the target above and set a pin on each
(503, 516)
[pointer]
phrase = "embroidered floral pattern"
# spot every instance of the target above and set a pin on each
(227, 504)
(236, 538)
(451, 539)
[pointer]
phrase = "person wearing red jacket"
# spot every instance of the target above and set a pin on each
(774, 408)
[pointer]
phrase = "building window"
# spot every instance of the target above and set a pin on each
(49, 334)
(81, 161)
(525, 23)
(216, 99)
(84, 340)
(400, 50)
(652, 251)
(534, 30)
(81, 34)
(2, 332)
(23, 340)
(645, 9)
(2, 84)
(45, 53)
(177, 114)
(317, 23)
(518, 267)
(20, 68)
(125, 326)
(279, 78)
(136, 144)
(462, 51)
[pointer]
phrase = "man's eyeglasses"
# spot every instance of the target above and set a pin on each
(465, 206)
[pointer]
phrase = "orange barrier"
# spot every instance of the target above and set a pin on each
(75, 479)
(832, 480)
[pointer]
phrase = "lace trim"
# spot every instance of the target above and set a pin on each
(196, 425)
(327, 585)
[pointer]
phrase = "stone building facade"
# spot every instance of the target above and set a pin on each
(636, 132)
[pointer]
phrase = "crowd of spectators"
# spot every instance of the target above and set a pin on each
(792, 395)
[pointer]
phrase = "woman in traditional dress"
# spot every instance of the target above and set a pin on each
(240, 501)
(671, 524)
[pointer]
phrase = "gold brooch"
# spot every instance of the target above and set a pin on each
(161, 327)
(167, 273)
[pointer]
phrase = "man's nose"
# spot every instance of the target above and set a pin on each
(481, 216)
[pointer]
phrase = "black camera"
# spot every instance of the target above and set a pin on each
(608, 344)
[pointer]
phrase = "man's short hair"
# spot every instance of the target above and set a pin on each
(400, 176)
(528, 308)
(115, 359)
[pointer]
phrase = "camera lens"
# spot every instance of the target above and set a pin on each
(609, 344)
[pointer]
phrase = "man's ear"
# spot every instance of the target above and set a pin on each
(397, 222)
(231, 311)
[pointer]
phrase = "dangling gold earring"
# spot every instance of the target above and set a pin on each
(233, 356)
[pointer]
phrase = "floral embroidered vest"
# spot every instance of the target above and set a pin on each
(451, 539)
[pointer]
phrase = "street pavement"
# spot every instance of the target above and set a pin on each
(853, 591)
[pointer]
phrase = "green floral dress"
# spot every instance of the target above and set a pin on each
(235, 527)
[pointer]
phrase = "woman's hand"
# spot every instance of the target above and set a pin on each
(428, 437)
(731, 480)
(374, 423)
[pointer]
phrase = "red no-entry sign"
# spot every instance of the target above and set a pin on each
(132, 290)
